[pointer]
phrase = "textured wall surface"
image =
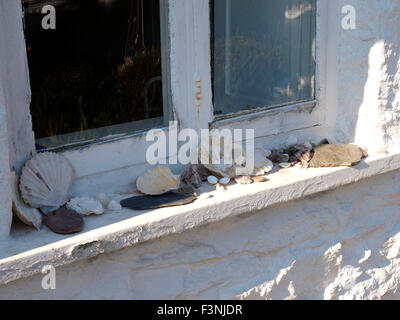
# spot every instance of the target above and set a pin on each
(15, 83)
(367, 62)
(339, 244)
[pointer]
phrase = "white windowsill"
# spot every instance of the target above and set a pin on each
(27, 251)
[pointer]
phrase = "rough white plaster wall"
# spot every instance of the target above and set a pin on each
(367, 65)
(335, 245)
(15, 80)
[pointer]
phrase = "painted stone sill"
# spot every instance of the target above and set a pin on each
(27, 251)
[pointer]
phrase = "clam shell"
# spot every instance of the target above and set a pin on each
(157, 181)
(103, 198)
(224, 181)
(85, 206)
(262, 165)
(212, 180)
(46, 180)
(114, 206)
(285, 165)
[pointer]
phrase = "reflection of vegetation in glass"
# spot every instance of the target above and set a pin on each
(100, 68)
(75, 98)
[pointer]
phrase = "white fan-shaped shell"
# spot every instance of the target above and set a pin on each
(158, 180)
(46, 180)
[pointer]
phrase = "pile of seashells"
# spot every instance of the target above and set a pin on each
(44, 186)
(46, 180)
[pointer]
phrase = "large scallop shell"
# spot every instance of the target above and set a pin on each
(158, 180)
(46, 180)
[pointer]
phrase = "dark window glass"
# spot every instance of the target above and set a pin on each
(99, 73)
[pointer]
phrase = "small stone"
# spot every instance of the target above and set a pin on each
(170, 199)
(291, 141)
(212, 180)
(64, 221)
(308, 145)
(330, 155)
(244, 180)
(259, 179)
(224, 181)
(285, 165)
(220, 187)
(284, 158)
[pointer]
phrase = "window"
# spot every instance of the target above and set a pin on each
(191, 44)
(99, 73)
(263, 53)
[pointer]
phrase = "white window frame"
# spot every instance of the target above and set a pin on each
(116, 163)
(289, 117)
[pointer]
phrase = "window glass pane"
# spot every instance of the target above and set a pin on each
(98, 74)
(263, 53)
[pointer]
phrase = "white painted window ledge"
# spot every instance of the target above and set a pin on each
(27, 251)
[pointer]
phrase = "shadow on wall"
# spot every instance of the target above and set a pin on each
(368, 110)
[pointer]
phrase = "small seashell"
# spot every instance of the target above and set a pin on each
(85, 206)
(259, 179)
(262, 164)
(219, 187)
(244, 180)
(103, 198)
(212, 180)
(46, 180)
(291, 141)
(157, 181)
(224, 181)
(114, 206)
(285, 165)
